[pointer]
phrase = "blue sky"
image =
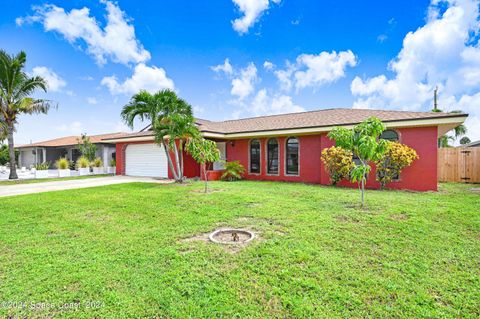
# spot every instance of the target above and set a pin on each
(241, 58)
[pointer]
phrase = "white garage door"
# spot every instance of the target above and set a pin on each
(146, 160)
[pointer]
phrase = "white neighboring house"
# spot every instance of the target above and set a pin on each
(50, 151)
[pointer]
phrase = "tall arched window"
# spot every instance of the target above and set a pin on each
(389, 135)
(255, 156)
(292, 156)
(272, 156)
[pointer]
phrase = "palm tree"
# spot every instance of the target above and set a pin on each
(170, 118)
(177, 128)
(16, 87)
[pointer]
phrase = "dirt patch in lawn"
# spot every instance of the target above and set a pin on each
(210, 191)
(263, 228)
(399, 216)
(346, 219)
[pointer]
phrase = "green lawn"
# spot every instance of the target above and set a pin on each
(42, 180)
(120, 252)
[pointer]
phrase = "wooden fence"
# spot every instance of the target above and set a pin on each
(459, 165)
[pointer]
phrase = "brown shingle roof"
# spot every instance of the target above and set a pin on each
(310, 119)
(72, 140)
(320, 118)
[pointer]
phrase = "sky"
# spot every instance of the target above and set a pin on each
(241, 58)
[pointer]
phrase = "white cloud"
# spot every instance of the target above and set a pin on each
(92, 100)
(267, 65)
(144, 77)
(243, 85)
(55, 82)
(116, 40)
(322, 68)
(74, 128)
(444, 52)
(285, 76)
(311, 70)
(226, 67)
(264, 104)
(252, 11)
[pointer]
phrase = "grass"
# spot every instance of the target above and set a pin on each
(119, 252)
(42, 180)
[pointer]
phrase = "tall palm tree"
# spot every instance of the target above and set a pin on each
(170, 118)
(16, 87)
(178, 128)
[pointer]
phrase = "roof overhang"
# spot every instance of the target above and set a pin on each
(444, 125)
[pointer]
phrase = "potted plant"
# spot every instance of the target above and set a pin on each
(83, 166)
(112, 167)
(98, 166)
(63, 166)
(41, 170)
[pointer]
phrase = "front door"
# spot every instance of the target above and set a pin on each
(222, 147)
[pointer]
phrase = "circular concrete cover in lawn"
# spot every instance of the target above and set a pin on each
(231, 236)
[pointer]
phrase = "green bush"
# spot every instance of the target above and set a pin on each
(62, 163)
(83, 162)
(233, 171)
(113, 163)
(42, 167)
(97, 162)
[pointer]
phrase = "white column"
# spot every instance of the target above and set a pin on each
(44, 151)
(105, 157)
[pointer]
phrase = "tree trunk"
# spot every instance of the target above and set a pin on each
(169, 160)
(363, 191)
(205, 174)
(11, 152)
(181, 158)
(177, 163)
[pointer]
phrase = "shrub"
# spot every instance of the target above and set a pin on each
(97, 162)
(62, 163)
(113, 163)
(396, 158)
(42, 167)
(338, 162)
(233, 171)
(83, 162)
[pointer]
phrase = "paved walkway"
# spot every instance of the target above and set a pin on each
(22, 189)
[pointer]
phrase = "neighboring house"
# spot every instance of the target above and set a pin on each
(52, 150)
(472, 144)
(288, 147)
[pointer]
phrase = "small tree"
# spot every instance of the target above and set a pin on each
(233, 171)
(203, 151)
(338, 163)
(363, 141)
(87, 149)
(397, 156)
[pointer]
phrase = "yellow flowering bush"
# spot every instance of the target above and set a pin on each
(338, 163)
(396, 158)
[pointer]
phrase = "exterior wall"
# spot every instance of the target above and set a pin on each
(421, 176)
(190, 167)
(309, 159)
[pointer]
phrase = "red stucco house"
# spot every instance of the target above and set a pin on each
(287, 147)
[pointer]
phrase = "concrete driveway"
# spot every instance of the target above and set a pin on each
(22, 189)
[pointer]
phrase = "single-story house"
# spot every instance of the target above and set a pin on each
(288, 147)
(51, 150)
